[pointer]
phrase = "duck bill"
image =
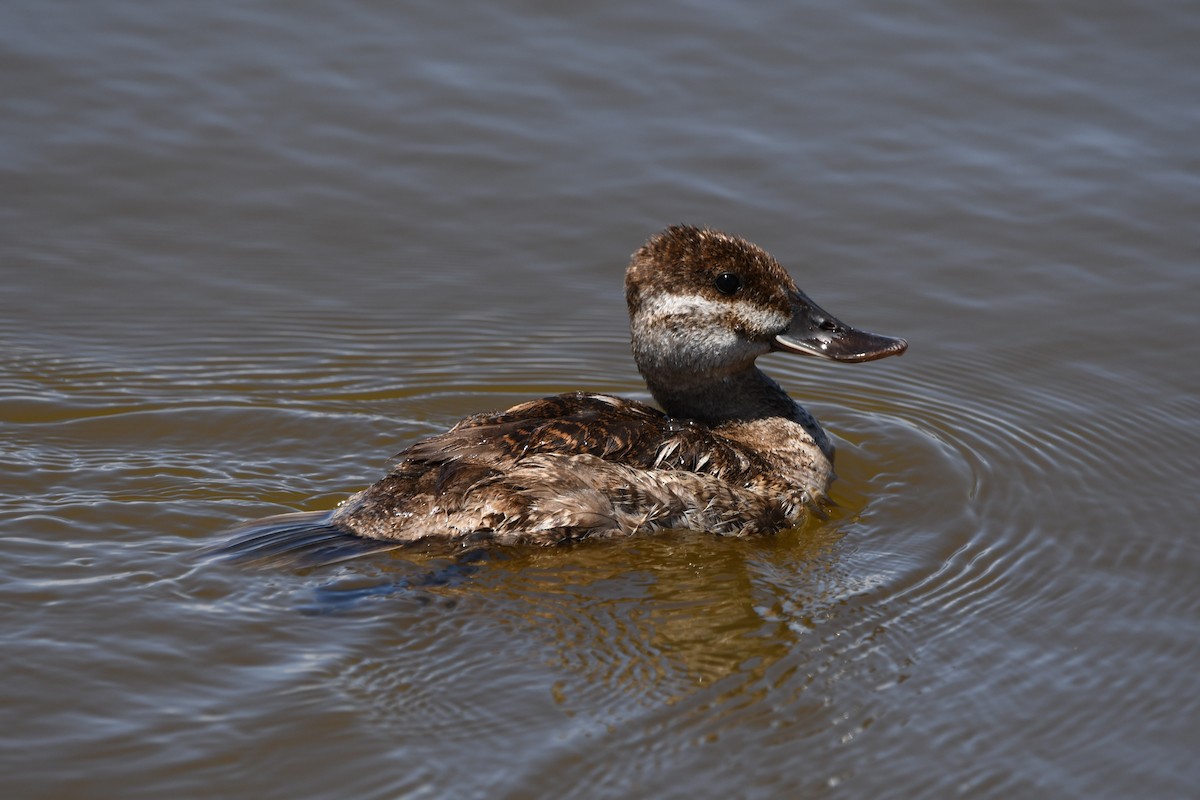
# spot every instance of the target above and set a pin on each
(816, 332)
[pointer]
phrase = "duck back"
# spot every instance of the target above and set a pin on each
(567, 467)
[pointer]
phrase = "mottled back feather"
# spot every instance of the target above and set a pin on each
(573, 465)
(616, 430)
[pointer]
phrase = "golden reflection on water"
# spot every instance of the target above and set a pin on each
(650, 620)
(660, 616)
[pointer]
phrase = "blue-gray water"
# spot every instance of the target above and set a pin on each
(250, 250)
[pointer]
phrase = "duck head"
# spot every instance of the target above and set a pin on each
(704, 305)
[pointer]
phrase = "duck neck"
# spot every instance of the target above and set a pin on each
(744, 395)
(741, 396)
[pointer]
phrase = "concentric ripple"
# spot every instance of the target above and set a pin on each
(937, 546)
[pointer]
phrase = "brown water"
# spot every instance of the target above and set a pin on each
(250, 250)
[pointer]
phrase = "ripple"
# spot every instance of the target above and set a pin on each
(1016, 447)
(253, 249)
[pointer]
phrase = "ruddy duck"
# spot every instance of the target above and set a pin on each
(730, 452)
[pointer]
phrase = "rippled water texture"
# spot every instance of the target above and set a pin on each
(250, 250)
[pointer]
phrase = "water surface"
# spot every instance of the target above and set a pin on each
(249, 251)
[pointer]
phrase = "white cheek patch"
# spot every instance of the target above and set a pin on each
(752, 316)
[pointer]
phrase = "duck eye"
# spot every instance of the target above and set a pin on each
(727, 283)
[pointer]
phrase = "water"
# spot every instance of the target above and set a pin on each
(251, 250)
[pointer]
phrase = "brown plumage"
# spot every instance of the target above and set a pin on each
(729, 453)
(571, 466)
